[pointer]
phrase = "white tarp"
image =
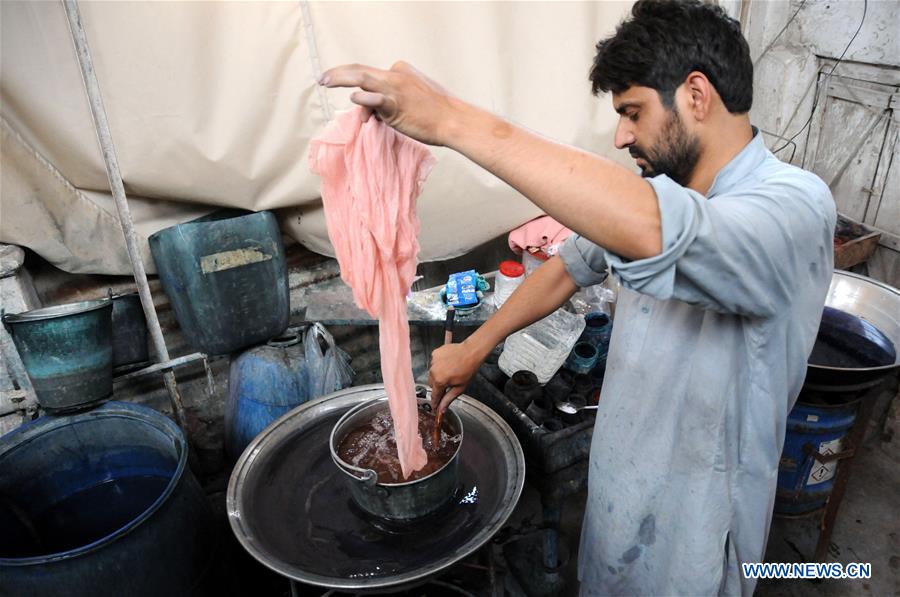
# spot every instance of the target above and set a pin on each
(214, 104)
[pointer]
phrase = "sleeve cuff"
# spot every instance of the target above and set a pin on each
(584, 260)
(655, 276)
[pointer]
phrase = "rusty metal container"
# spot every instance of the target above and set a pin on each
(854, 243)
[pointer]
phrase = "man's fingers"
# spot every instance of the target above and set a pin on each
(367, 99)
(437, 392)
(354, 75)
(449, 397)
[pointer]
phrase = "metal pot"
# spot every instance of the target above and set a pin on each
(395, 502)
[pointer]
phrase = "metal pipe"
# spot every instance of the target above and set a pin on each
(178, 362)
(104, 137)
(550, 547)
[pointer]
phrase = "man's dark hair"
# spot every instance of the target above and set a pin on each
(664, 41)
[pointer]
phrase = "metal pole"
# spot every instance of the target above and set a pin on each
(104, 136)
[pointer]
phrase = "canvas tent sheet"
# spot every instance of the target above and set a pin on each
(213, 104)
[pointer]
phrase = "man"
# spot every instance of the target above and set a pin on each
(724, 255)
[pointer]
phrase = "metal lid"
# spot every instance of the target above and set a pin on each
(57, 311)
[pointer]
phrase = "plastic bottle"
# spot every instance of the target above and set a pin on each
(543, 346)
(509, 278)
(532, 261)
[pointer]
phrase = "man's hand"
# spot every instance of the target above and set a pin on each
(402, 97)
(452, 367)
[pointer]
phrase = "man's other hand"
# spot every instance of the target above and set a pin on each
(452, 367)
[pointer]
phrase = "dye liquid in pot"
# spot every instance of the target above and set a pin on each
(373, 446)
(848, 342)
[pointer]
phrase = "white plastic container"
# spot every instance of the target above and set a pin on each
(509, 278)
(543, 346)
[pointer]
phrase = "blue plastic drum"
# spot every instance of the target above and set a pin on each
(805, 482)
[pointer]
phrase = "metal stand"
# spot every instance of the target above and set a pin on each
(104, 137)
(854, 439)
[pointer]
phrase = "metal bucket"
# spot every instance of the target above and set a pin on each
(395, 502)
(102, 503)
(67, 352)
(129, 330)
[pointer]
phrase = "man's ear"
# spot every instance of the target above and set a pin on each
(701, 94)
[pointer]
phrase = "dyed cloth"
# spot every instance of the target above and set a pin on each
(371, 177)
(543, 232)
(708, 355)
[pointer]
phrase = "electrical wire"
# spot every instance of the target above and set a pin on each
(778, 35)
(819, 81)
(789, 142)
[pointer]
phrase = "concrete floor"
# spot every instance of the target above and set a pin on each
(867, 530)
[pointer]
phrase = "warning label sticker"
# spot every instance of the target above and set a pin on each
(822, 472)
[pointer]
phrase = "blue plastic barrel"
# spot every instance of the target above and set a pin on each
(265, 382)
(804, 483)
(226, 277)
(102, 503)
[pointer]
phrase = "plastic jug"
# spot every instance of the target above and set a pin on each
(543, 346)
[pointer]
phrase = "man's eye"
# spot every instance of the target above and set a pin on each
(633, 117)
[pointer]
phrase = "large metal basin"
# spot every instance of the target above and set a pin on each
(875, 302)
(290, 508)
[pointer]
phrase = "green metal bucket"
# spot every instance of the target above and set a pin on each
(67, 352)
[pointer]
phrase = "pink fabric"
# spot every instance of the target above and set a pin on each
(371, 177)
(541, 232)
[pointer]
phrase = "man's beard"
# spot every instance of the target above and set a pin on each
(676, 153)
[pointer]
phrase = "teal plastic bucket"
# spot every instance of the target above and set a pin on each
(67, 352)
(226, 277)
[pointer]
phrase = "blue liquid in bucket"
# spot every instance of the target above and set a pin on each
(77, 520)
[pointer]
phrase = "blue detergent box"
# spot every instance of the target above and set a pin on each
(462, 289)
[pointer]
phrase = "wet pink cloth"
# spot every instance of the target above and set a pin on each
(371, 177)
(542, 232)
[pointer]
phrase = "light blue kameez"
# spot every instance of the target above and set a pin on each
(707, 357)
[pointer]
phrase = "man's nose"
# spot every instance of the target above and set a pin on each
(624, 136)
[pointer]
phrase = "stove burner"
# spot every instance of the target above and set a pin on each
(290, 508)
